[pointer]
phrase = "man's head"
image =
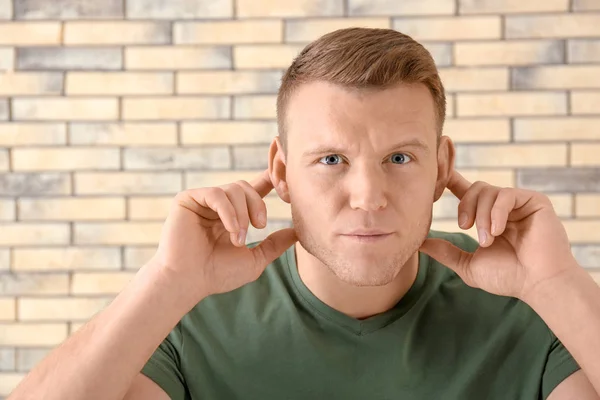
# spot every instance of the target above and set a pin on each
(360, 114)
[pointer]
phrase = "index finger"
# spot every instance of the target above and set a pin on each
(262, 184)
(458, 184)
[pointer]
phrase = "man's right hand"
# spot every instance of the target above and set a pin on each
(202, 247)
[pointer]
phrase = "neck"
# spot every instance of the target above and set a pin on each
(355, 301)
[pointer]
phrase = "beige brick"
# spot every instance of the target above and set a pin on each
(228, 32)
(275, 8)
(6, 9)
(30, 83)
(9, 381)
(552, 26)
(19, 234)
(177, 57)
(28, 334)
(179, 9)
(64, 159)
(68, 109)
(511, 104)
(29, 33)
(563, 204)
(450, 105)
(7, 59)
(255, 107)
(75, 327)
(510, 6)
(100, 283)
(116, 32)
(585, 154)
(117, 233)
(59, 309)
(175, 108)
(230, 132)
(585, 5)
(405, 7)
(472, 79)
(210, 179)
(446, 207)
(596, 277)
(3, 160)
(34, 284)
(149, 208)
(264, 56)
(450, 28)
(277, 208)
(123, 134)
(136, 257)
(478, 130)
(7, 309)
(553, 129)
(4, 259)
(119, 83)
(66, 258)
(31, 134)
(307, 30)
(199, 158)
(3, 109)
(513, 52)
(90, 183)
(257, 235)
(7, 209)
(511, 155)
(556, 77)
(228, 82)
(585, 102)
(587, 205)
(71, 208)
(583, 231)
(583, 50)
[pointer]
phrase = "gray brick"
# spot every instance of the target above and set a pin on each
(587, 256)
(27, 358)
(560, 179)
(441, 53)
(586, 5)
(7, 59)
(127, 183)
(7, 209)
(6, 9)
(522, 77)
(404, 7)
(136, 257)
(4, 259)
(179, 9)
(7, 359)
(3, 109)
(33, 284)
(35, 184)
(69, 58)
(203, 158)
(583, 51)
(251, 157)
(68, 9)
(257, 235)
(3, 160)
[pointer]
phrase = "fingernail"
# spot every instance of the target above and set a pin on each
(493, 231)
(462, 220)
(482, 236)
(242, 237)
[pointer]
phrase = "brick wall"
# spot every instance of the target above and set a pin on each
(108, 108)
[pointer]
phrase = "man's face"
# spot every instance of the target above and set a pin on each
(361, 172)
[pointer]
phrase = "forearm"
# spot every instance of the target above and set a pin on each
(570, 306)
(101, 360)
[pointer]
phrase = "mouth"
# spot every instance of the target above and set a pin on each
(367, 238)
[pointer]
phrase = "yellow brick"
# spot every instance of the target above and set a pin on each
(512, 155)
(230, 132)
(149, 208)
(119, 83)
(59, 309)
(18, 234)
(175, 108)
(587, 205)
(66, 258)
(136, 257)
(115, 32)
(255, 107)
(583, 231)
(64, 159)
(559, 77)
(450, 28)
(27, 334)
(277, 208)
(71, 208)
(27, 134)
(478, 130)
(177, 57)
(552, 129)
(585, 102)
(468, 79)
(7, 209)
(30, 83)
(123, 134)
(7, 309)
(511, 6)
(517, 104)
(307, 30)
(585, 154)
(563, 204)
(552, 26)
(127, 183)
(117, 233)
(209, 179)
(29, 33)
(265, 56)
(276, 8)
(228, 82)
(514, 52)
(100, 283)
(68, 109)
(9, 381)
(228, 32)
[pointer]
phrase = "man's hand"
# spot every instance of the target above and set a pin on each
(522, 241)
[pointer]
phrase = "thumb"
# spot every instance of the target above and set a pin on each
(447, 254)
(273, 246)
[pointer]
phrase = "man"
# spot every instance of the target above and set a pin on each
(359, 299)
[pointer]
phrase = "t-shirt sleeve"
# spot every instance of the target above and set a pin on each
(164, 367)
(559, 366)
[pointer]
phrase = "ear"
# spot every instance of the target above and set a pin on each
(445, 165)
(277, 169)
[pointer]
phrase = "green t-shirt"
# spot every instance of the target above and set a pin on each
(273, 339)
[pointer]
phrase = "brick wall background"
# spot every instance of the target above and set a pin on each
(108, 108)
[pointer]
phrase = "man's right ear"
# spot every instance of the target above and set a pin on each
(277, 169)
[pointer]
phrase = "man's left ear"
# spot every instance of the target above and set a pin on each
(445, 165)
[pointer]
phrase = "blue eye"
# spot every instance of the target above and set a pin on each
(331, 159)
(400, 158)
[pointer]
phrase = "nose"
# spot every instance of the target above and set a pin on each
(367, 189)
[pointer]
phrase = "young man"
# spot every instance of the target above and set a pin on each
(359, 299)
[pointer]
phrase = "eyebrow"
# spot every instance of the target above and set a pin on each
(415, 142)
